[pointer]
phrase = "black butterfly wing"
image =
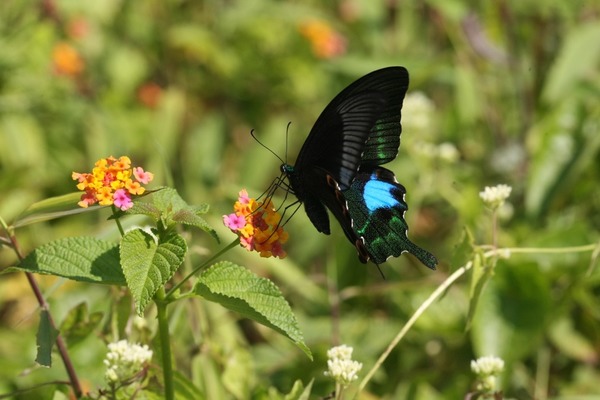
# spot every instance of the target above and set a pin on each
(358, 122)
(360, 125)
(337, 168)
(376, 206)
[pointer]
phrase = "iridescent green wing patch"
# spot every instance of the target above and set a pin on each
(376, 206)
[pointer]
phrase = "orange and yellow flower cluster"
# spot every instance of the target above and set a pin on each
(67, 60)
(258, 226)
(325, 41)
(112, 181)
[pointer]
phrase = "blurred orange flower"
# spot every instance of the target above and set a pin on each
(66, 60)
(149, 94)
(78, 28)
(325, 41)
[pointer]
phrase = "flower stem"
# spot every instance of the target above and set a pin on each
(165, 343)
(117, 220)
(449, 281)
(422, 308)
(201, 266)
(60, 344)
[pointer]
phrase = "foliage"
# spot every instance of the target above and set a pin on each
(507, 93)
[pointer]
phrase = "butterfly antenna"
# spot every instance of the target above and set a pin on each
(287, 134)
(271, 151)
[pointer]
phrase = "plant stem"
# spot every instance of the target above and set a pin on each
(60, 344)
(201, 266)
(449, 281)
(165, 343)
(495, 228)
(117, 221)
(424, 306)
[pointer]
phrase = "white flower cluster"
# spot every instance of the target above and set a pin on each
(494, 196)
(417, 114)
(487, 368)
(340, 365)
(446, 151)
(124, 360)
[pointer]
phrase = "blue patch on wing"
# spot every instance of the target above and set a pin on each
(378, 194)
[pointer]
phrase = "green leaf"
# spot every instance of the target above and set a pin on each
(51, 208)
(237, 375)
(144, 208)
(169, 207)
(256, 298)
(480, 275)
(578, 57)
(79, 324)
(185, 388)
(299, 392)
(570, 342)
(84, 259)
(148, 264)
(512, 313)
(46, 336)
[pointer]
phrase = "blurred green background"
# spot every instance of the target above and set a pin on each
(501, 92)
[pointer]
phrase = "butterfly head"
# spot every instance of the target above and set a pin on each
(287, 169)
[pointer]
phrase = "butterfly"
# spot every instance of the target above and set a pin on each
(339, 168)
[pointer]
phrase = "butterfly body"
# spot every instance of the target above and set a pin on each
(338, 168)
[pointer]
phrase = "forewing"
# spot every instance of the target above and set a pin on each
(360, 125)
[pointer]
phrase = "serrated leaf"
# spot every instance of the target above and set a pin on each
(79, 324)
(189, 216)
(148, 264)
(84, 259)
(201, 208)
(46, 336)
(256, 298)
(144, 209)
(169, 207)
(168, 199)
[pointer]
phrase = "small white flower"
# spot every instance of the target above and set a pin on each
(495, 196)
(448, 152)
(417, 114)
(487, 384)
(340, 365)
(425, 149)
(124, 360)
(488, 365)
(342, 352)
(487, 370)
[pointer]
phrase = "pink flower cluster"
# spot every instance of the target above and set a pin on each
(110, 182)
(258, 226)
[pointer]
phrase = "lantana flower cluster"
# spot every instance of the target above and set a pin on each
(325, 42)
(112, 181)
(258, 226)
